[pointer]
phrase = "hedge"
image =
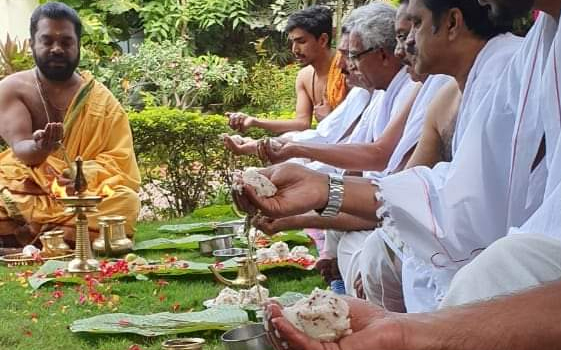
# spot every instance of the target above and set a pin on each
(182, 156)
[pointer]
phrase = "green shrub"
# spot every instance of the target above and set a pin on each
(164, 74)
(14, 56)
(271, 87)
(182, 156)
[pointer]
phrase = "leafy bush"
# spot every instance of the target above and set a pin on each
(182, 159)
(164, 74)
(14, 56)
(271, 87)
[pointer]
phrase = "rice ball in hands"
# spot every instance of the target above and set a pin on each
(323, 316)
(282, 250)
(251, 177)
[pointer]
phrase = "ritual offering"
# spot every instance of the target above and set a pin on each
(252, 177)
(238, 139)
(254, 296)
(323, 316)
(279, 252)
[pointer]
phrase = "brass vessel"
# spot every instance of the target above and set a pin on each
(112, 240)
(248, 274)
(53, 242)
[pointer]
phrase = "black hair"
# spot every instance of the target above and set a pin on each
(55, 10)
(476, 17)
(315, 20)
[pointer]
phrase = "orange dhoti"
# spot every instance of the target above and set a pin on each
(96, 128)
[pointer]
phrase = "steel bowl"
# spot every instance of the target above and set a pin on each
(250, 337)
(230, 228)
(226, 254)
(208, 246)
(183, 344)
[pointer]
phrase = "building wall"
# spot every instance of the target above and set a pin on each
(14, 18)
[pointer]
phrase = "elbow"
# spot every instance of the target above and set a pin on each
(301, 126)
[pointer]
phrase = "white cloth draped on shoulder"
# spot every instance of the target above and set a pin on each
(547, 219)
(383, 106)
(483, 74)
(414, 125)
(397, 94)
(332, 128)
(537, 108)
(439, 219)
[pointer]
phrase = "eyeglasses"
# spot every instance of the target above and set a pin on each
(355, 57)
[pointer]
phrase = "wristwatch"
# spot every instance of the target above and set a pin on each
(335, 197)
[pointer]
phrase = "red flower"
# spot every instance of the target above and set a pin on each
(57, 294)
(162, 297)
(161, 283)
(135, 347)
(59, 273)
(175, 307)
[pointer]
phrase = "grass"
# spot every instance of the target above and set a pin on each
(36, 320)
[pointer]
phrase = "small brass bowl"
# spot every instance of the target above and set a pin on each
(183, 344)
(227, 254)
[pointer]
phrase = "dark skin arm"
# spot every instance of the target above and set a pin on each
(441, 112)
(354, 157)
(340, 222)
(16, 127)
(525, 321)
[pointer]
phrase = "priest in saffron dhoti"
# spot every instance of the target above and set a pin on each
(49, 115)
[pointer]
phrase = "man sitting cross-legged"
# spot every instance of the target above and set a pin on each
(47, 111)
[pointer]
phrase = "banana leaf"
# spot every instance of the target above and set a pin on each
(198, 227)
(185, 243)
(165, 323)
(293, 236)
(46, 273)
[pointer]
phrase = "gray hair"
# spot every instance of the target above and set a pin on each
(376, 25)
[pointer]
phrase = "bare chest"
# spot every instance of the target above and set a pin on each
(317, 88)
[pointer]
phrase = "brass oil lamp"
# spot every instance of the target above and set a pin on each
(79, 205)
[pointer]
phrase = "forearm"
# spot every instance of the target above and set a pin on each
(28, 152)
(526, 321)
(358, 157)
(343, 222)
(281, 126)
(359, 198)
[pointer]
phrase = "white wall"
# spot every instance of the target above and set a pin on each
(14, 18)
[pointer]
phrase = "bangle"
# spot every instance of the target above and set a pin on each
(335, 197)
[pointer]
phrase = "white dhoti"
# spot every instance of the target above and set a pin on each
(381, 277)
(350, 242)
(511, 264)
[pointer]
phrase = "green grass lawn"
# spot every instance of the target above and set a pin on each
(37, 320)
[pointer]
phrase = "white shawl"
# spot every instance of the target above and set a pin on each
(332, 128)
(414, 124)
(547, 219)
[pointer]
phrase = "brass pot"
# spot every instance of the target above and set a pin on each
(112, 240)
(53, 242)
